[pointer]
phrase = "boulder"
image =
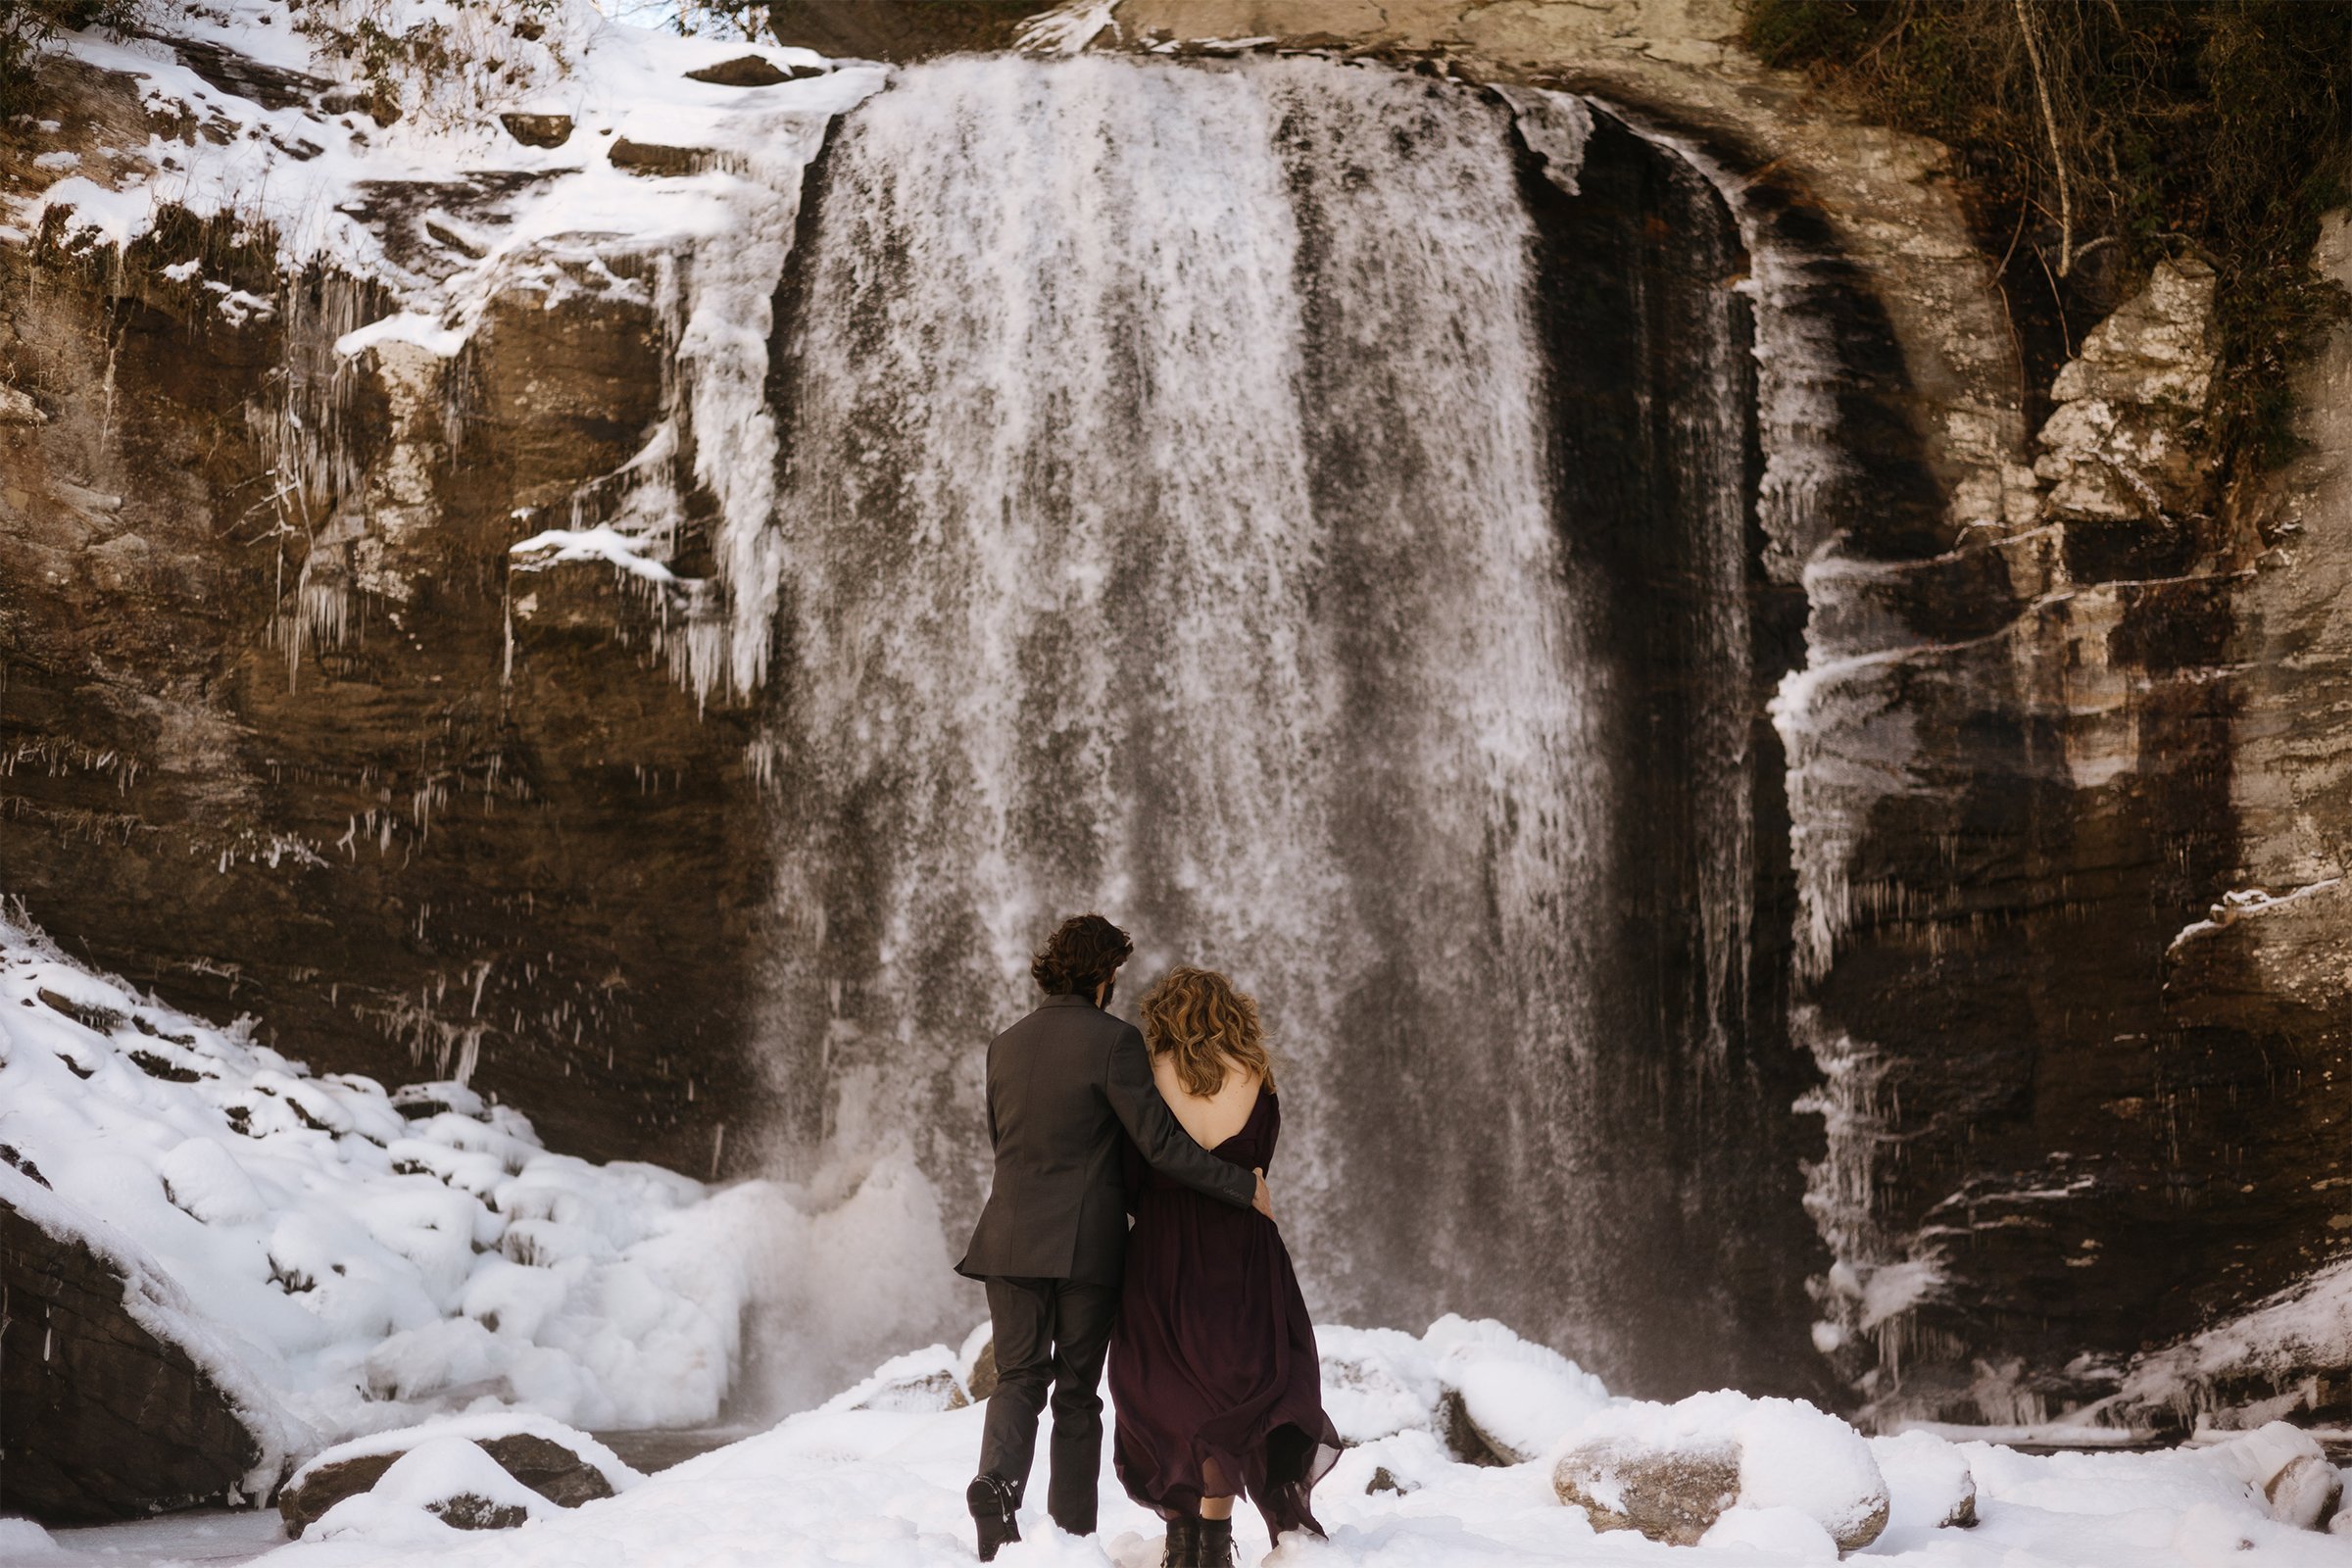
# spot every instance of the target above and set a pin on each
(1672, 1494)
(1460, 1434)
(1670, 1471)
(920, 1382)
(1928, 1483)
(1507, 1400)
(2122, 444)
(2286, 1471)
(18, 409)
(751, 71)
(113, 1402)
(978, 1363)
(538, 130)
(551, 1462)
(654, 159)
(1378, 1382)
(450, 1478)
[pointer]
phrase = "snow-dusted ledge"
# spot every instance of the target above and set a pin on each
(342, 1258)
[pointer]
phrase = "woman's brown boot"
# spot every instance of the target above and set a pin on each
(1215, 1548)
(1184, 1543)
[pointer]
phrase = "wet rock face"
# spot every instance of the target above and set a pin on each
(2080, 1070)
(100, 1419)
(405, 819)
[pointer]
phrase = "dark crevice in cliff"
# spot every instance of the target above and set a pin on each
(1656, 464)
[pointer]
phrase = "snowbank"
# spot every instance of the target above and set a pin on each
(22, 1539)
(343, 1259)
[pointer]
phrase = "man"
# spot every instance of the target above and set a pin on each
(1067, 1086)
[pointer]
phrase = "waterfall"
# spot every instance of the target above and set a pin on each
(1167, 522)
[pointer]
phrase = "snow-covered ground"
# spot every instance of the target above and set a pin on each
(348, 1258)
(883, 1489)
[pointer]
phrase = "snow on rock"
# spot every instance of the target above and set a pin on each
(2286, 1471)
(337, 1266)
(977, 1362)
(488, 1428)
(450, 1481)
(1488, 1394)
(22, 1539)
(122, 1399)
(447, 155)
(1779, 1532)
(2257, 1360)
(1670, 1470)
(928, 1379)
(1377, 1382)
(556, 1462)
(1519, 1399)
(1929, 1485)
(625, 551)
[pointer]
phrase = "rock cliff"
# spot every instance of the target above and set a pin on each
(2052, 929)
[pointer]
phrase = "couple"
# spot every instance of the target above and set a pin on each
(1213, 1358)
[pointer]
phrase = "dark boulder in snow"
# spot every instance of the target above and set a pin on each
(654, 159)
(450, 1478)
(538, 130)
(752, 70)
(113, 1402)
(552, 1460)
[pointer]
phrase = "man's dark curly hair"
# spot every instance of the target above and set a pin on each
(1080, 955)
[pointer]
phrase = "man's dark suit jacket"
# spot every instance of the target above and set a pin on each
(1067, 1086)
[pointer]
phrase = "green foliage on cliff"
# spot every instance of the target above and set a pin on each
(25, 25)
(2102, 135)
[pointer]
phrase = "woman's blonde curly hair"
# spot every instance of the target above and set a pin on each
(1197, 1016)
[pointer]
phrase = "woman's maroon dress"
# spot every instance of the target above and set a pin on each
(1213, 1367)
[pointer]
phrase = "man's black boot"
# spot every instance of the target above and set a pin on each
(992, 1502)
(1184, 1543)
(1217, 1544)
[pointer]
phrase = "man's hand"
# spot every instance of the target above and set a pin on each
(1263, 1202)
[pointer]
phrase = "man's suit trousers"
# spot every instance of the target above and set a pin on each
(1049, 1331)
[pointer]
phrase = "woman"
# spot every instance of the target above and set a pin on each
(1213, 1367)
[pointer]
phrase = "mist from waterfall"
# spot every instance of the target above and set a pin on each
(1163, 527)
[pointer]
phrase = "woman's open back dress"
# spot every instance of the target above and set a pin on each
(1213, 1367)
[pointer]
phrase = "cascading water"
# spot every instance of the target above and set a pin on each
(1169, 521)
